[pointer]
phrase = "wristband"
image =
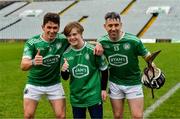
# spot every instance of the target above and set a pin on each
(33, 63)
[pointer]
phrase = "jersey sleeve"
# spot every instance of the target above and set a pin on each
(64, 40)
(102, 62)
(28, 50)
(141, 49)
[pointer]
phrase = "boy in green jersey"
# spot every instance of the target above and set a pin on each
(122, 50)
(88, 74)
(42, 56)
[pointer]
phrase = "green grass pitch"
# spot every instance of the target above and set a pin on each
(12, 81)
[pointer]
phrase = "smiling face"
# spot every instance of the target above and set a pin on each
(73, 31)
(50, 30)
(113, 27)
(75, 38)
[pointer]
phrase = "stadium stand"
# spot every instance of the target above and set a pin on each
(31, 24)
(7, 22)
(21, 20)
(12, 7)
(166, 26)
(95, 15)
(5, 3)
(48, 6)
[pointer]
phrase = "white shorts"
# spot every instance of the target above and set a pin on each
(52, 92)
(129, 92)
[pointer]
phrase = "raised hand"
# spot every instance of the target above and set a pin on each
(38, 59)
(65, 66)
(98, 50)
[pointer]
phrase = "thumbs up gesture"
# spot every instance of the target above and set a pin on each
(38, 59)
(65, 66)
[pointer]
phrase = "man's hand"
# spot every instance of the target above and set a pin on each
(103, 95)
(65, 66)
(98, 50)
(38, 59)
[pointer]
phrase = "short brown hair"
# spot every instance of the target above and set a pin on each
(112, 15)
(53, 17)
(72, 25)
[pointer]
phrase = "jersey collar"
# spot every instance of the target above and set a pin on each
(122, 36)
(80, 48)
(46, 40)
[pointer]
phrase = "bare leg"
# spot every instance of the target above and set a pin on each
(118, 108)
(59, 107)
(29, 108)
(136, 107)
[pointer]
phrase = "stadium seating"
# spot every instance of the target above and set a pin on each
(15, 24)
(11, 8)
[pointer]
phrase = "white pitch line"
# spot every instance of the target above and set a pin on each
(150, 109)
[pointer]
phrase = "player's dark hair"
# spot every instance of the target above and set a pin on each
(53, 17)
(72, 25)
(112, 15)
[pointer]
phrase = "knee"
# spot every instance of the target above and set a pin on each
(137, 116)
(118, 115)
(28, 115)
(60, 115)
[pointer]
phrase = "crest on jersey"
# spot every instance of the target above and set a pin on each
(126, 46)
(87, 56)
(59, 45)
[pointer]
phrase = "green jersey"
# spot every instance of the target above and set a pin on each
(85, 77)
(48, 73)
(123, 58)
